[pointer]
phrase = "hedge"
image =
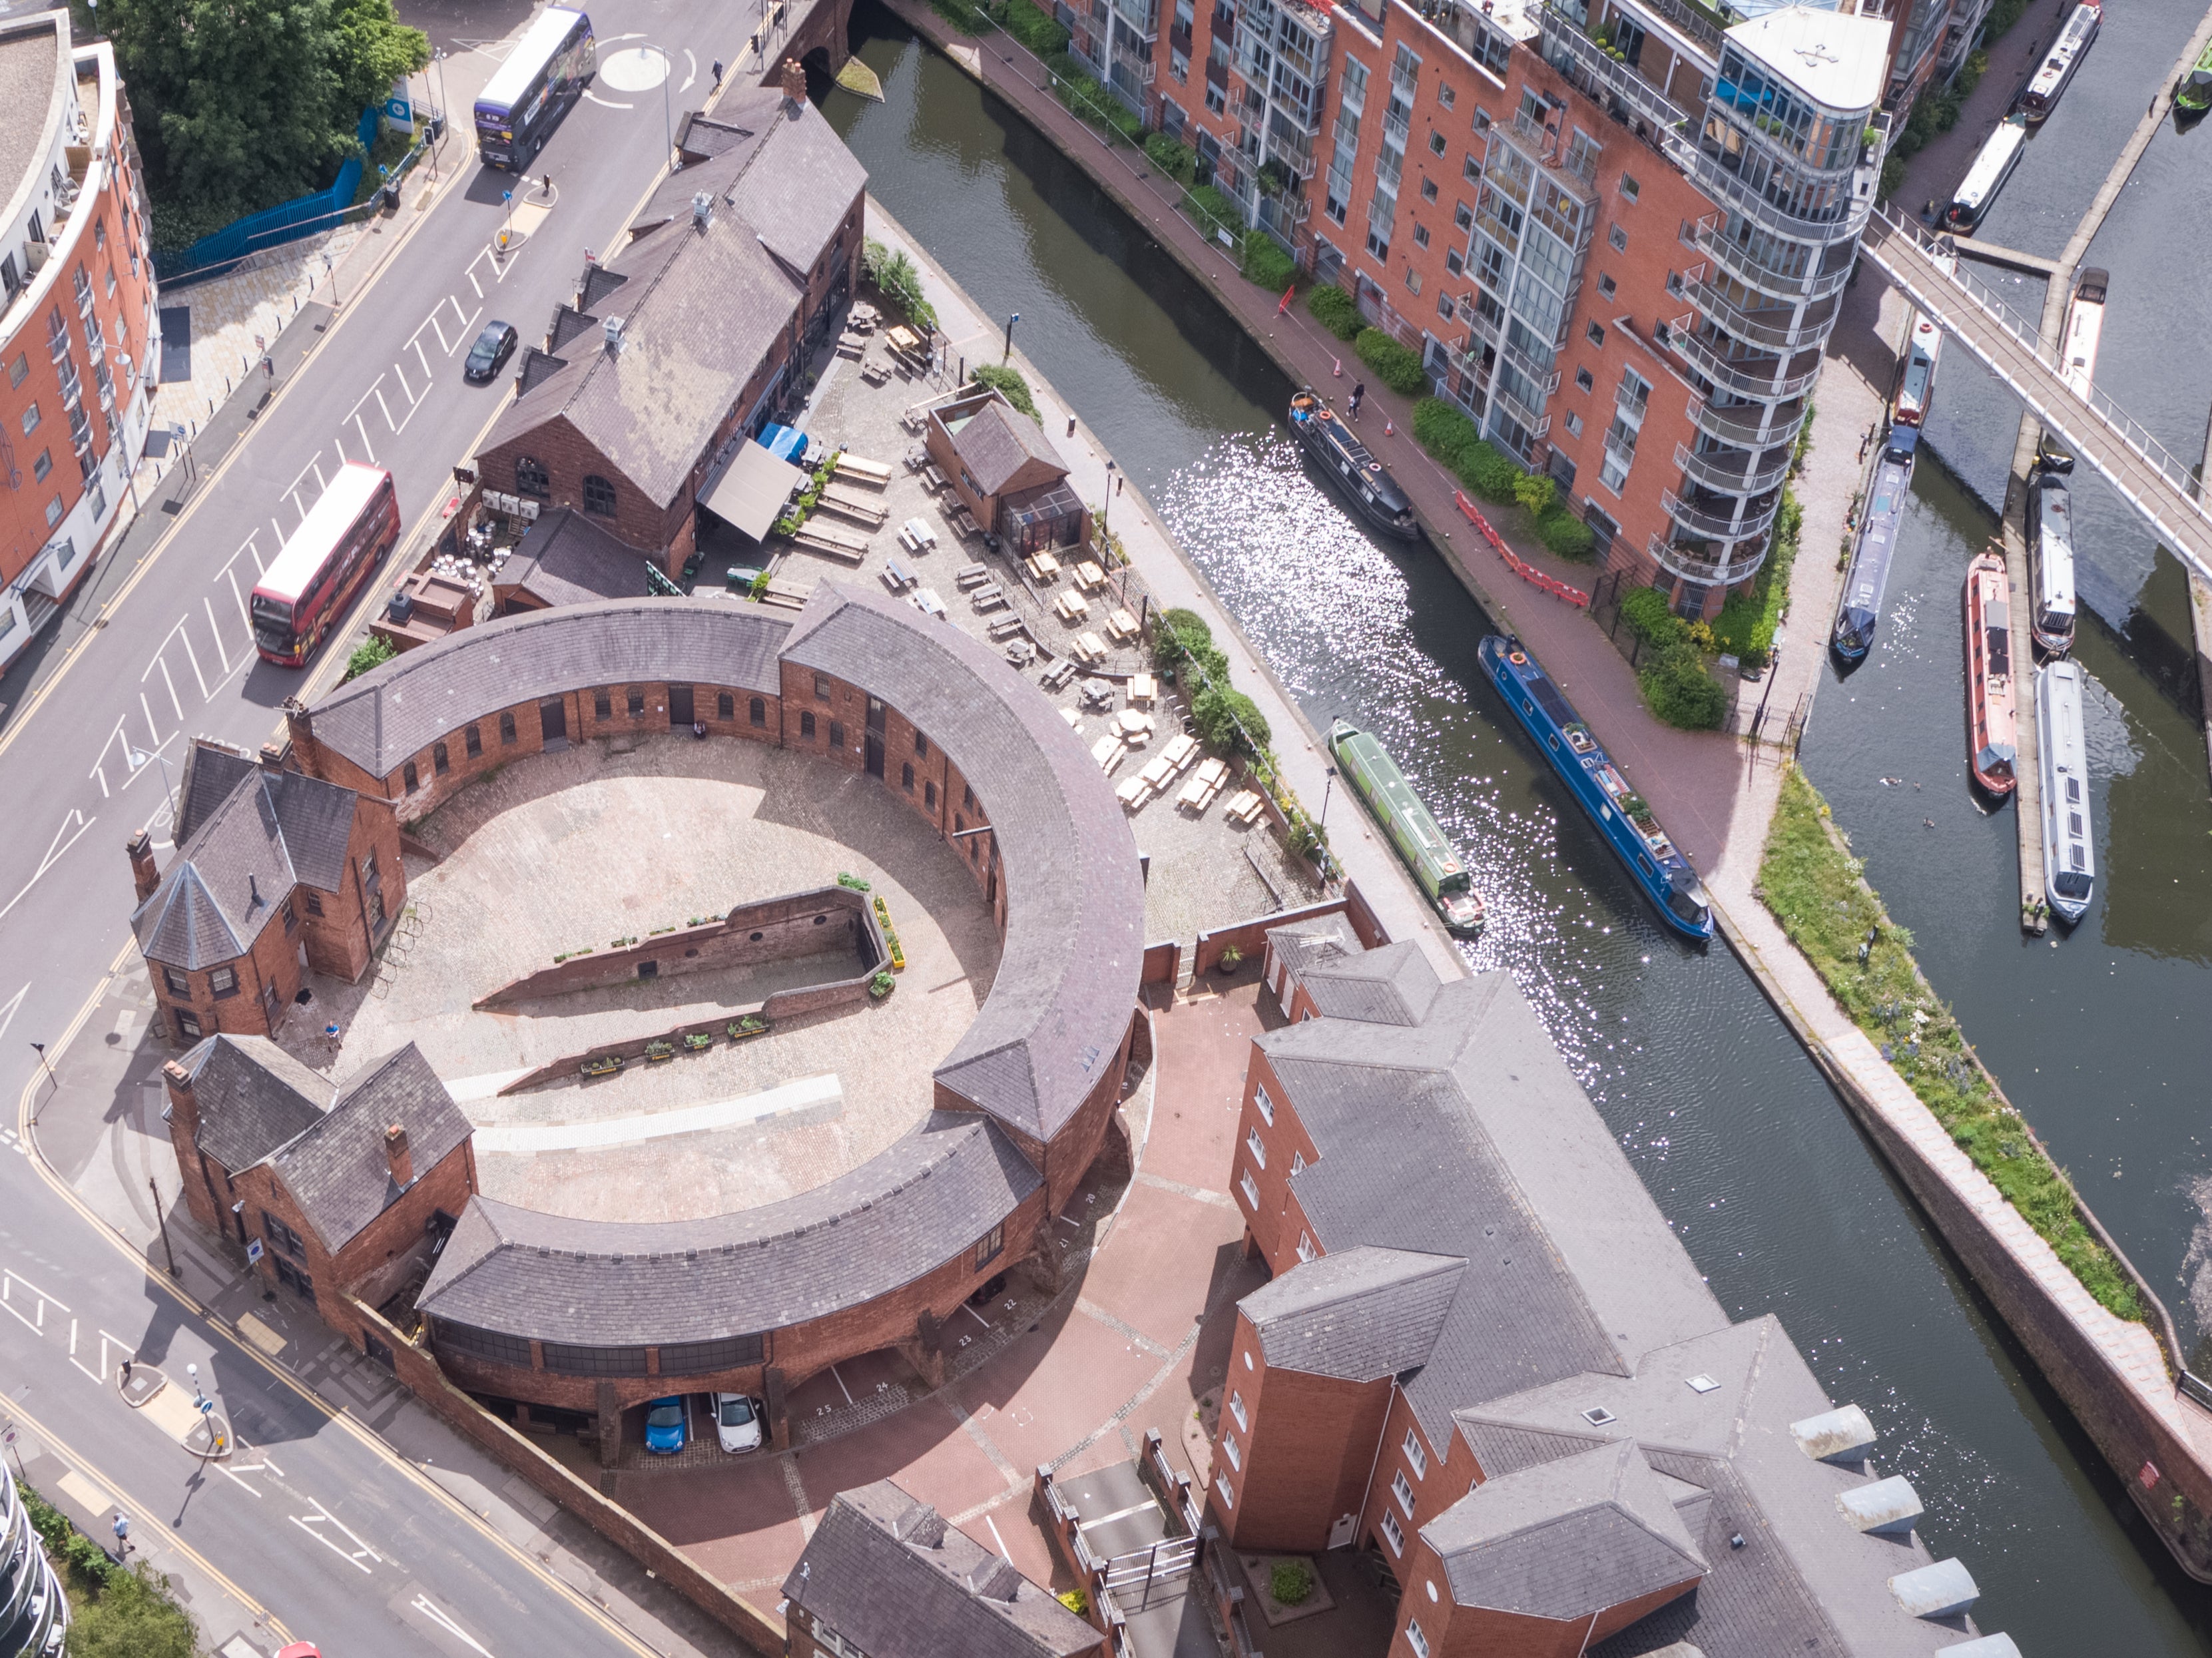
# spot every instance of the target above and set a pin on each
(1175, 160)
(1396, 366)
(1335, 310)
(1264, 263)
(1567, 535)
(1680, 691)
(1219, 712)
(1039, 32)
(1007, 381)
(1644, 609)
(1211, 209)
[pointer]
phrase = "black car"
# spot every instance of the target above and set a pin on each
(493, 348)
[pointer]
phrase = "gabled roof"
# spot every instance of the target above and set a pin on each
(211, 770)
(798, 190)
(565, 558)
(1055, 1015)
(1566, 1539)
(272, 831)
(252, 1097)
(1000, 447)
(888, 1575)
(1357, 1315)
(337, 1168)
(1317, 939)
(1394, 984)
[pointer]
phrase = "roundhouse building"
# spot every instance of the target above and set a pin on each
(598, 1315)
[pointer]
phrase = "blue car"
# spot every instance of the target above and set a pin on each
(664, 1425)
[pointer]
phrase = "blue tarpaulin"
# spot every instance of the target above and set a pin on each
(784, 442)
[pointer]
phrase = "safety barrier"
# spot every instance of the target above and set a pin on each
(1520, 566)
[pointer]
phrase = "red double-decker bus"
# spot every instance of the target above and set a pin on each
(308, 585)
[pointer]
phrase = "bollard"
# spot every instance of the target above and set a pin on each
(1336, 367)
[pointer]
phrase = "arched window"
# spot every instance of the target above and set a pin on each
(472, 741)
(438, 760)
(598, 495)
(726, 706)
(806, 723)
(759, 711)
(906, 777)
(530, 477)
(929, 796)
(410, 777)
(506, 728)
(921, 746)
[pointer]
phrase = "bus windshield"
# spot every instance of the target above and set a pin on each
(542, 76)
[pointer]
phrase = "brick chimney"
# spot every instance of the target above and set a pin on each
(143, 875)
(300, 736)
(401, 1159)
(794, 89)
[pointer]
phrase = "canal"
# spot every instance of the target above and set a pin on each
(1740, 1142)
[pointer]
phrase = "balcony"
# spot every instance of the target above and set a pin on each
(1720, 184)
(1763, 379)
(1692, 566)
(1589, 65)
(1132, 73)
(1533, 424)
(1754, 428)
(1548, 379)
(1812, 284)
(1693, 24)
(1738, 474)
(1711, 524)
(1478, 323)
(1723, 313)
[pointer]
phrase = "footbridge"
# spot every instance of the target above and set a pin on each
(2155, 482)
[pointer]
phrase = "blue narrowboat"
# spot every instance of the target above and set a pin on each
(1861, 609)
(1619, 812)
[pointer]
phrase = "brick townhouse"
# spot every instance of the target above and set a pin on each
(1616, 236)
(688, 339)
(276, 875)
(79, 323)
(1483, 1359)
(346, 1187)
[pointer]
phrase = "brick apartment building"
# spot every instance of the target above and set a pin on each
(276, 875)
(1616, 234)
(79, 326)
(1485, 1359)
(686, 341)
(347, 1187)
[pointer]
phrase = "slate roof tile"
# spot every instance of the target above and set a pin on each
(338, 1168)
(1357, 1315)
(253, 1097)
(998, 442)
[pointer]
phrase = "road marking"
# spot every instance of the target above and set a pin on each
(977, 1316)
(55, 848)
(8, 1013)
(422, 1604)
(323, 1517)
(841, 1387)
(221, 655)
(37, 1324)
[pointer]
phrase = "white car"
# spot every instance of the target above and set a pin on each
(738, 1422)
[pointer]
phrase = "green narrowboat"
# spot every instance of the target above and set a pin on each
(1369, 770)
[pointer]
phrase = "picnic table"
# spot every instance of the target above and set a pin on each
(1089, 576)
(1136, 725)
(1107, 751)
(933, 478)
(1071, 607)
(902, 578)
(902, 337)
(916, 537)
(1244, 807)
(925, 600)
(1178, 752)
(1135, 792)
(1143, 689)
(1205, 783)
(972, 575)
(1091, 648)
(1121, 625)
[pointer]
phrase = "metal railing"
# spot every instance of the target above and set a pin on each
(1719, 309)
(1563, 38)
(1533, 424)
(1546, 380)
(1740, 474)
(1745, 376)
(1747, 429)
(1720, 572)
(1722, 186)
(1704, 522)
(1812, 284)
(1697, 27)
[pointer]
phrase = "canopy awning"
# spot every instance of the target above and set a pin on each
(785, 442)
(752, 490)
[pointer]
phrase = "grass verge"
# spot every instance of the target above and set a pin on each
(1819, 892)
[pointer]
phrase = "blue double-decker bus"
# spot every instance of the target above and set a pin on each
(545, 73)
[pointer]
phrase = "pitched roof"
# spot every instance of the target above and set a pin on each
(1394, 984)
(700, 308)
(392, 713)
(928, 1197)
(1564, 1539)
(252, 1097)
(1073, 947)
(1314, 939)
(566, 558)
(337, 1168)
(1357, 1315)
(892, 1577)
(272, 831)
(211, 770)
(997, 441)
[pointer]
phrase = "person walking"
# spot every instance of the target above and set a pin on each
(122, 1529)
(1358, 390)
(718, 75)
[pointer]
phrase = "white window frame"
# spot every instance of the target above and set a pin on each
(1306, 1251)
(1228, 1491)
(1402, 1489)
(1236, 1409)
(1250, 1189)
(1267, 1106)
(1256, 1146)
(1297, 1161)
(1392, 1533)
(1415, 1639)
(1229, 1449)
(1416, 1457)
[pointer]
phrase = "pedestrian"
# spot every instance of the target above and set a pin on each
(718, 75)
(268, 365)
(1358, 390)
(122, 1529)
(126, 1373)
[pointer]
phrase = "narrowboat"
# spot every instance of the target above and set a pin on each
(1860, 611)
(2059, 65)
(1987, 175)
(1916, 390)
(1373, 493)
(1443, 876)
(1992, 727)
(2051, 561)
(1617, 811)
(2069, 860)
(2194, 95)
(2084, 329)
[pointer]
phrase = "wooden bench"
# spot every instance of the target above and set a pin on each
(1205, 783)
(1244, 807)
(1108, 751)
(1122, 626)
(1136, 792)
(858, 469)
(832, 542)
(842, 500)
(1091, 648)
(971, 575)
(1071, 608)
(1089, 576)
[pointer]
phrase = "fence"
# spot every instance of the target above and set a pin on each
(222, 252)
(1520, 567)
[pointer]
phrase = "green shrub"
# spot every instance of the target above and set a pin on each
(1567, 535)
(1335, 310)
(1228, 718)
(1396, 366)
(1176, 634)
(1680, 691)
(1265, 263)
(1289, 1583)
(134, 1616)
(1090, 101)
(893, 275)
(968, 19)
(1212, 211)
(1491, 473)
(1006, 380)
(1035, 30)
(1534, 492)
(1175, 159)
(1892, 175)
(371, 652)
(1644, 609)
(1440, 426)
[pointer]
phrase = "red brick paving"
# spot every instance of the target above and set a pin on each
(923, 1447)
(1076, 1376)
(1202, 1048)
(1166, 1254)
(737, 1521)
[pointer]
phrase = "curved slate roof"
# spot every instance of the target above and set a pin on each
(393, 712)
(618, 1284)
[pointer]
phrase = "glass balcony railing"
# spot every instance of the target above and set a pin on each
(1736, 473)
(1740, 262)
(1721, 522)
(1693, 565)
(1765, 378)
(1754, 426)
(1772, 330)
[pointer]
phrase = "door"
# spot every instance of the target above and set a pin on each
(553, 720)
(875, 736)
(679, 706)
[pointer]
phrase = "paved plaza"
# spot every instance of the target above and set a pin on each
(615, 838)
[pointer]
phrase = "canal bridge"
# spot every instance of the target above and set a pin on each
(2148, 476)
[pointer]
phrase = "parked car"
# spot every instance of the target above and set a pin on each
(301, 1649)
(738, 1422)
(493, 347)
(664, 1425)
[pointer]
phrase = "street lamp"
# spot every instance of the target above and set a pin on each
(139, 757)
(1328, 787)
(1106, 511)
(200, 1398)
(1006, 356)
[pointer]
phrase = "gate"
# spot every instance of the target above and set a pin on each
(1163, 1567)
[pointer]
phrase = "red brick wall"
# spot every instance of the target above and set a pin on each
(1434, 1491)
(1276, 1221)
(272, 959)
(1307, 1451)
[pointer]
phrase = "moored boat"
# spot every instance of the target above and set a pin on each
(2051, 561)
(1374, 495)
(2069, 860)
(1992, 729)
(1621, 814)
(1859, 609)
(1991, 167)
(1436, 862)
(2194, 95)
(2059, 63)
(2084, 328)
(1916, 388)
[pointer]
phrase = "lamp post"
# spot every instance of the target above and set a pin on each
(1106, 511)
(438, 63)
(1328, 787)
(139, 757)
(1007, 353)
